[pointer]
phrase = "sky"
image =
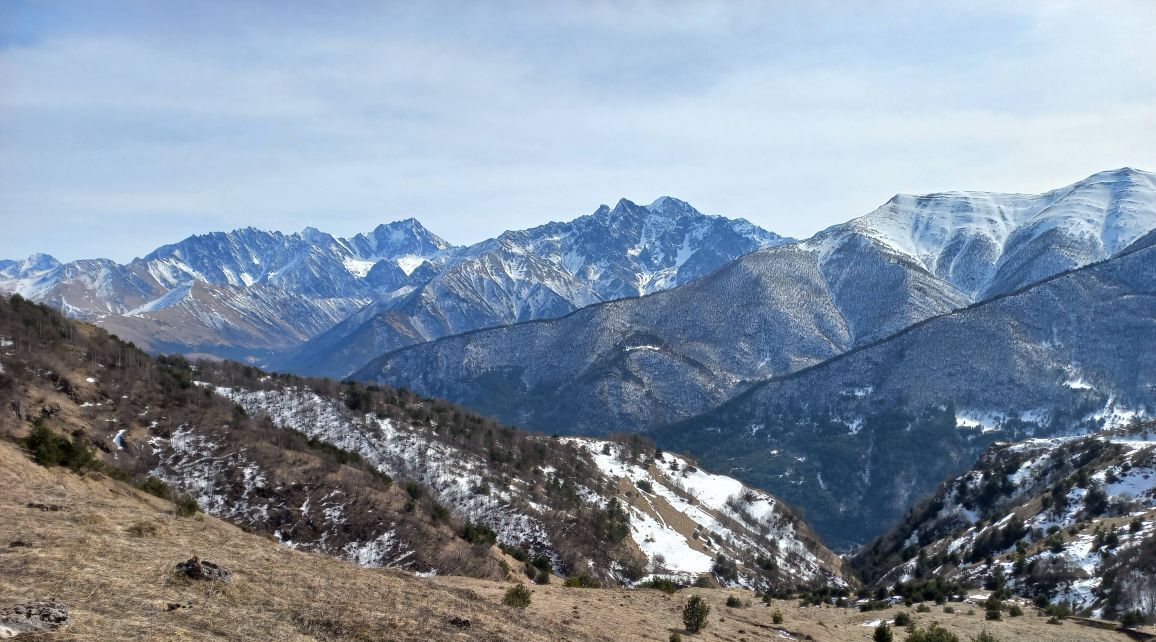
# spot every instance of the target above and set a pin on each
(126, 125)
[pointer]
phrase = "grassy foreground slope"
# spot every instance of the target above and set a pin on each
(109, 551)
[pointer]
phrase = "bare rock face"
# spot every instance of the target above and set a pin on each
(38, 615)
(199, 569)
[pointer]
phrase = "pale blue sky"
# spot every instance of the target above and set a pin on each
(125, 125)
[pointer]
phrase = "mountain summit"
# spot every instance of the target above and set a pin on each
(540, 273)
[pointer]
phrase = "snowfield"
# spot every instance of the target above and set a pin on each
(723, 512)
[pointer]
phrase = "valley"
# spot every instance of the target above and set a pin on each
(809, 427)
(577, 321)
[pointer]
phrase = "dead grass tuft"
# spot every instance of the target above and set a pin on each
(145, 529)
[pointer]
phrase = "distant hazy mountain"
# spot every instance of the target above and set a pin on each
(254, 295)
(635, 363)
(241, 294)
(540, 273)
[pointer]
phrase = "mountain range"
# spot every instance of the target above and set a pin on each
(954, 389)
(317, 304)
(881, 322)
(244, 294)
(859, 437)
(637, 363)
(540, 273)
(957, 317)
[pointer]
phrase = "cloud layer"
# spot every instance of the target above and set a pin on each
(124, 125)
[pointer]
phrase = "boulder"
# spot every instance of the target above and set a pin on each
(29, 617)
(199, 569)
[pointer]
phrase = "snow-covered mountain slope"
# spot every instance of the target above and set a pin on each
(384, 477)
(1066, 355)
(540, 273)
(632, 364)
(685, 523)
(251, 294)
(1067, 520)
(986, 244)
(245, 293)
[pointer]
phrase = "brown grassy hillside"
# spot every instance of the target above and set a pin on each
(109, 551)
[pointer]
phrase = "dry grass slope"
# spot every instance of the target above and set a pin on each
(110, 551)
(109, 554)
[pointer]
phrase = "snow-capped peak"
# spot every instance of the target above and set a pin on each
(669, 205)
(986, 243)
(35, 265)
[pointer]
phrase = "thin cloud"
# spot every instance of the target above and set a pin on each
(126, 126)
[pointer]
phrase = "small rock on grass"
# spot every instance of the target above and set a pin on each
(38, 615)
(199, 569)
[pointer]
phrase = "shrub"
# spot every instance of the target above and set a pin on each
(517, 597)
(734, 602)
(933, 633)
(984, 636)
(903, 618)
(51, 449)
(883, 633)
(948, 609)
(923, 608)
(414, 489)
(992, 614)
(675, 637)
(1055, 620)
(665, 585)
(725, 568)
(155, 487)
(694, 614)
(582, 581)
(513, 551)
(186, 506)
(475, 533)
(1015, 611)
(645, 486)
(777, 617)
(1131, 619)
(542, 577)
(542, 563)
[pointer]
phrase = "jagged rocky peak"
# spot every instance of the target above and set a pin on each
(670, 206)
(538, 273)
(399, 238)
(315, 236)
